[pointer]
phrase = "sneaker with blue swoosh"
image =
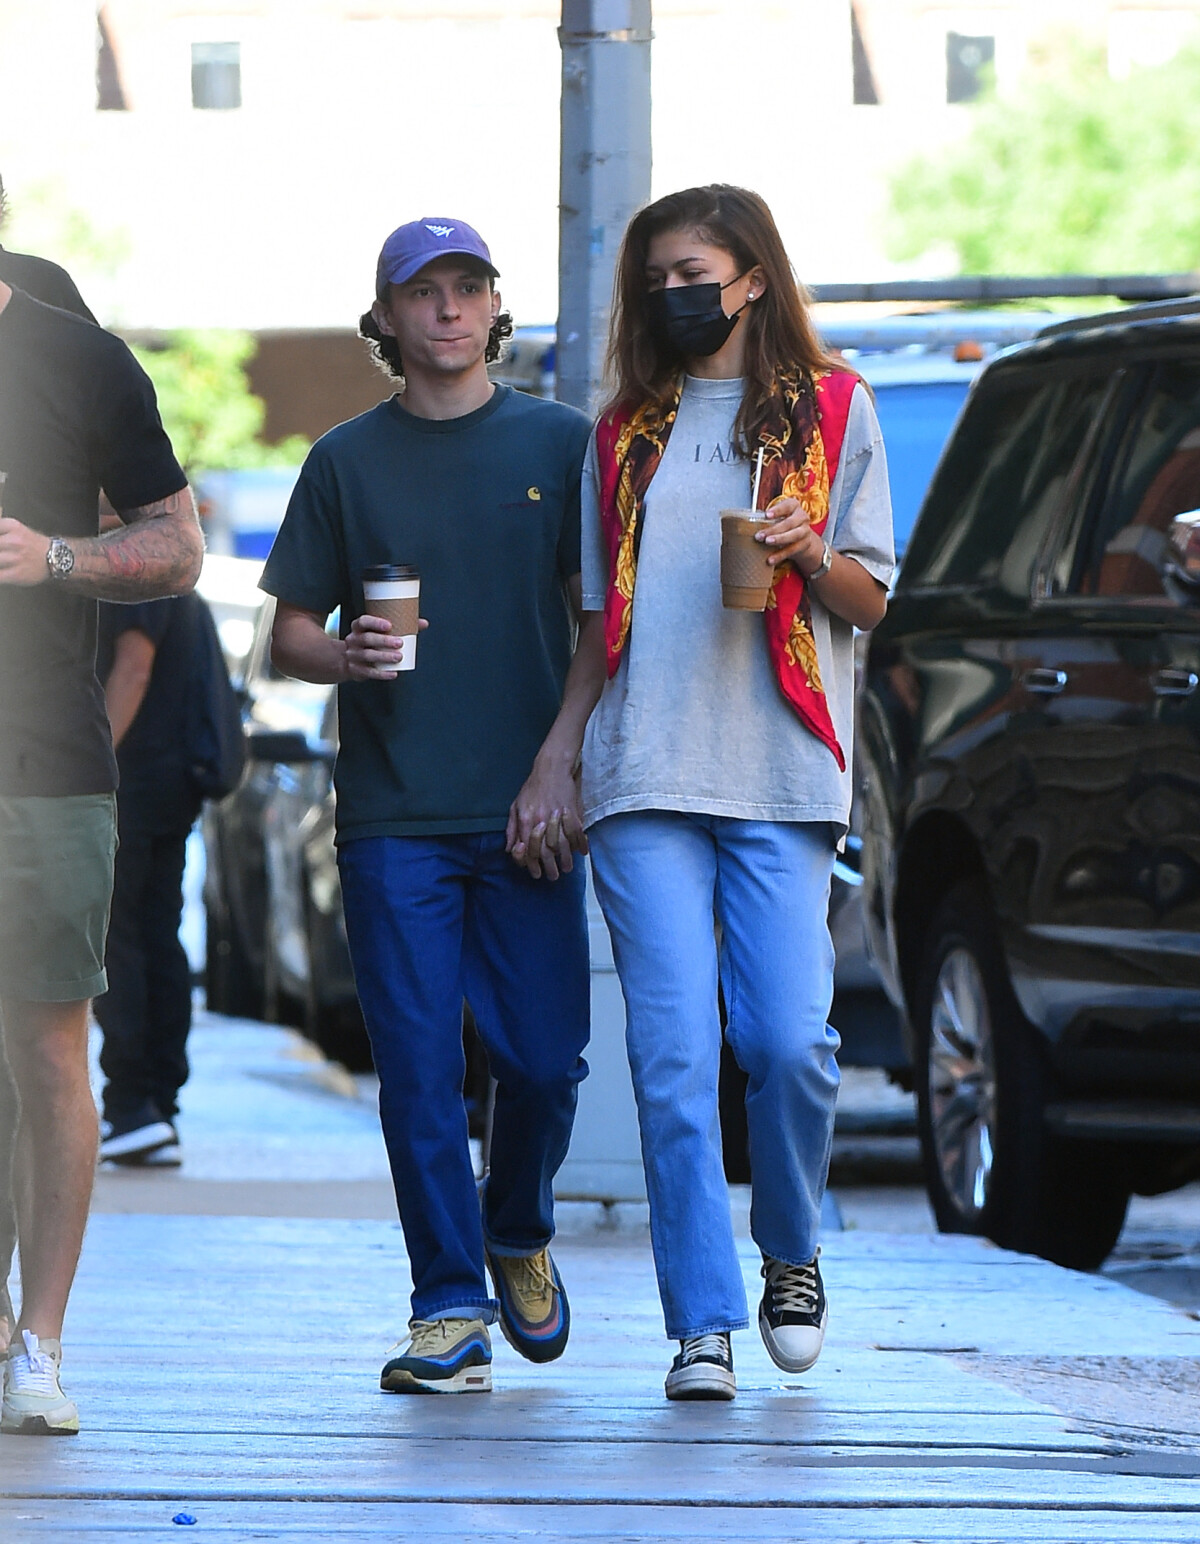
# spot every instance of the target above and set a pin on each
(534, 1313)
(443, 1356)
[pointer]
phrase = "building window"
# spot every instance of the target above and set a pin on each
(866, 93)
(217, 75)
(967, 61)
(110, 93)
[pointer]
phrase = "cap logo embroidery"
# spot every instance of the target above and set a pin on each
(441, 230)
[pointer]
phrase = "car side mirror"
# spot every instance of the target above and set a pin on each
(1181, 567)
(275, 745)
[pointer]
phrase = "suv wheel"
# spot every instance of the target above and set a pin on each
(983, 1082)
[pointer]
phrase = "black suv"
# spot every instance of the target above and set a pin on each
(1030, 782)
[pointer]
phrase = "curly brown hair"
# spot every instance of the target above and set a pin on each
(780, 335)
(386, 351)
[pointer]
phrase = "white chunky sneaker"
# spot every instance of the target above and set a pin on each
(703, 1369)
(34, 1403)
(793, 1313)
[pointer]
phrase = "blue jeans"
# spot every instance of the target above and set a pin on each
(432, 920)
(661, 877)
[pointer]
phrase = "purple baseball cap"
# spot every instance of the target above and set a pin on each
(409, 248)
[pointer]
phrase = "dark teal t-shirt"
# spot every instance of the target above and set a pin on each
(486, 507)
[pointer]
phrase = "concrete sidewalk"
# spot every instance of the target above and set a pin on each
(226, 1368)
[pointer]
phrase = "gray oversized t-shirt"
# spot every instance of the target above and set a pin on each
(694, 719)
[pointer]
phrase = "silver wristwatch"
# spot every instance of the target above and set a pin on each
(60, 560)
(825, 565)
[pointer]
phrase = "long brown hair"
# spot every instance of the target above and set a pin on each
(780, 336)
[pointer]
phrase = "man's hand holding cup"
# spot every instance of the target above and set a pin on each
(374, 652)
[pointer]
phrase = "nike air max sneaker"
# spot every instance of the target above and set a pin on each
(443, 1356)
(535, 1316)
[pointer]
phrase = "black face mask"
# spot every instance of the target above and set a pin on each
(690, 319)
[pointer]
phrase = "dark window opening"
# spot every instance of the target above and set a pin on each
(866, 93)
(968, 63)
(1156, 482)
(217, 75)
(110, 93)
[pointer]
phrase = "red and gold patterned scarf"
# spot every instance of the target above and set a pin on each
(801, 450)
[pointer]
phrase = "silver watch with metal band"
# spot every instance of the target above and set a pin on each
(60, 560)
(825, 565)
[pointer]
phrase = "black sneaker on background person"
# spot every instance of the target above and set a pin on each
(168, 1157)
(703, 1369)
(793, 1313)
(134, 1137)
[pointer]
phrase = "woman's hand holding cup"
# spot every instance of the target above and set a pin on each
(792, 538)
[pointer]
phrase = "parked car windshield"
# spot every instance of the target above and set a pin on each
(1002, 482)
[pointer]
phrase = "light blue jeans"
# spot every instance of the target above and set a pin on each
(661, 877)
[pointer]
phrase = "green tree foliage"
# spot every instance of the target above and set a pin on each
(1077, 173)
(212, 417)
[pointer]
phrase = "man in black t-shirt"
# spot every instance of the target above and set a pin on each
(47, 282)
(77, 416)
(144, 659)
(477, 487)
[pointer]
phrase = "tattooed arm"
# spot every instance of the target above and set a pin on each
(157, 552)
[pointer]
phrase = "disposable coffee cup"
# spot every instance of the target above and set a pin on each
(745, 572)
(393, 591)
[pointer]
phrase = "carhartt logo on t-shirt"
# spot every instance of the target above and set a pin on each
(441, 230)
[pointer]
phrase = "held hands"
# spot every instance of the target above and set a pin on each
(22, 554)
(792, 538)
(372, 654)
(545, 822)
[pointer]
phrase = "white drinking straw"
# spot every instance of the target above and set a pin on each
(757, 480)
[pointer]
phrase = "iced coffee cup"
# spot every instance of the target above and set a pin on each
(745, 572)
(393, 591)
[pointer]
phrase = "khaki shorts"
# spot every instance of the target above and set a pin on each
(56, 875)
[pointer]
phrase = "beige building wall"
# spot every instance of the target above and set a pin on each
(357, 114)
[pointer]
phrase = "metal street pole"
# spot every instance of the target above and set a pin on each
(604, 178)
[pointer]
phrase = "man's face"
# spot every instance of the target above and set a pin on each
(441, 318)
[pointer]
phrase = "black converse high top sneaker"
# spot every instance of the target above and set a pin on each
(793, 1313)
(703, 1369)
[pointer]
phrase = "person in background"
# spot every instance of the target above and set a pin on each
(145, 660)
(54, 286)
(77, 416)
(716, 763)
(477, 487)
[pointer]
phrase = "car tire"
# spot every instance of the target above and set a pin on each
(983, 1081)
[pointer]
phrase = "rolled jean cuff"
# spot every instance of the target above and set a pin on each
(487, 1309)
(785, 1258)
(512, 1252)
(725, 1327)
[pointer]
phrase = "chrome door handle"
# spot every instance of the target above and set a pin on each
(1175, 683)
(1045, 681)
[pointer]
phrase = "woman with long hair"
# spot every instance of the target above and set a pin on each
(715, 763)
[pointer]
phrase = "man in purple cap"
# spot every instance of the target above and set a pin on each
(476, 486)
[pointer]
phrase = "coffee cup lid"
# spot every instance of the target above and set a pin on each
(385, 571)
